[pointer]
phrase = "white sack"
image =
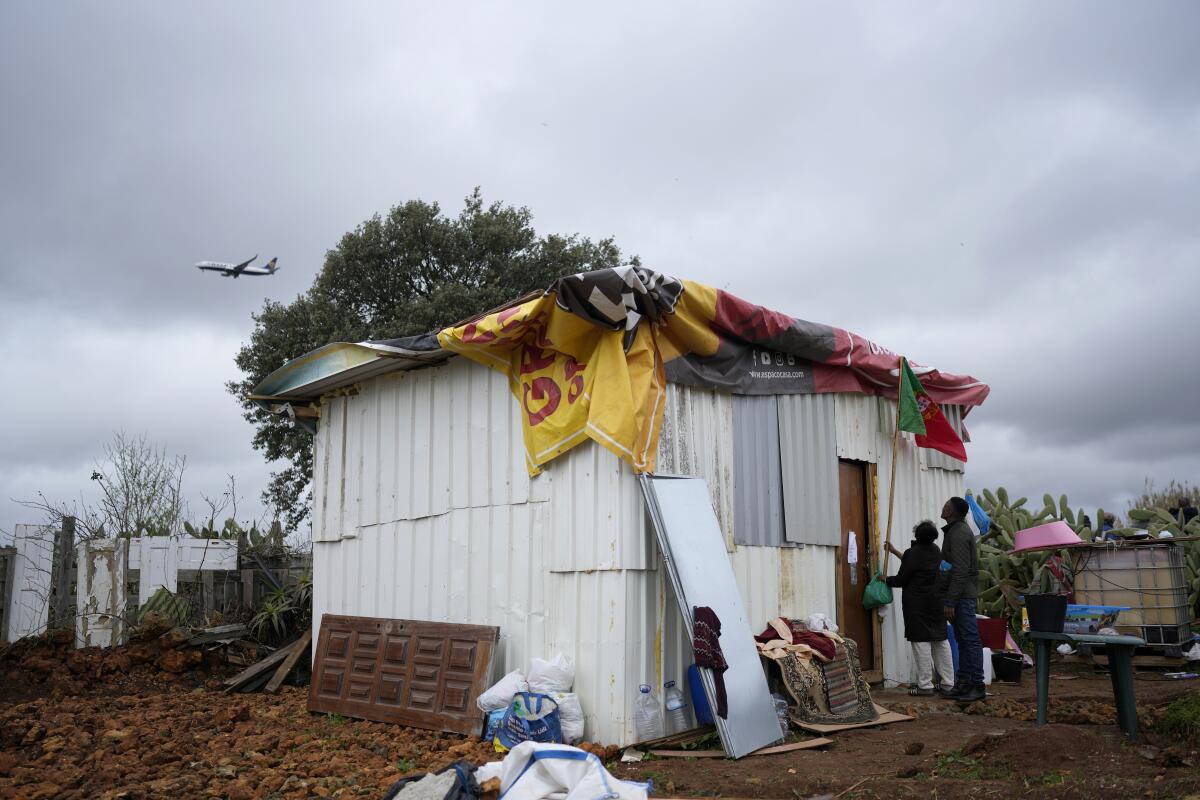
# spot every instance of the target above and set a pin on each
(501, 693)
(556, 769)
(570, 716)
(555, 675)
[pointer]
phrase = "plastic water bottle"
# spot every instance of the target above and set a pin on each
(676, 707)
(781, 712)
(648, 717)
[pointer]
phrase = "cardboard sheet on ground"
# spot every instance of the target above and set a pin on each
(885, 718)
(693, 548)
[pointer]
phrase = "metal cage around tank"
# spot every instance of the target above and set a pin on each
(1149, 579)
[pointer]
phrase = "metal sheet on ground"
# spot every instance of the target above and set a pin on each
(693, 548)
(407, 672)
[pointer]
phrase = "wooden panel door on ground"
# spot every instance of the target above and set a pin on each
(406, 672)
(854, 560)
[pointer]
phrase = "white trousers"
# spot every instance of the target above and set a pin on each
(930, 655)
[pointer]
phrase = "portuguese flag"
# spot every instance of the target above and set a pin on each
(920, 415)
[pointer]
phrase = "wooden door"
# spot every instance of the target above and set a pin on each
(406, 672)
(856, 622)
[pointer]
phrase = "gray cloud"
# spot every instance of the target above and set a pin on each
(1007, 190)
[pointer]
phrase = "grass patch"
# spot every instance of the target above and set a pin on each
(404, 765)
(336, 719)
(1182, 719)
(956, 765)
(1048, 779)
(705, 743)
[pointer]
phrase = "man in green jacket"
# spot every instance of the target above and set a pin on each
(961, 550)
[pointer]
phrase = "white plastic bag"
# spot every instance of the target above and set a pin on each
(570, 716)
(533, 771)
(555, 675)
(501, 693)
(820, 622)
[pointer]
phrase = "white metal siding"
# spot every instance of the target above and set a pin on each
(789, 581)
(808, 452)
(597, 513)
(564, 562)
(417, 444)
(857, 428)
(757, 476)
(697, 439)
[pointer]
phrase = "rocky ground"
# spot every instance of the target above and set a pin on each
(149, 720)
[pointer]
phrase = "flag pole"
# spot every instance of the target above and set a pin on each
(892, 488)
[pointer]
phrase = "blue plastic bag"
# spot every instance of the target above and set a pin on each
(492, 724)
(982, 521)
(530, 717)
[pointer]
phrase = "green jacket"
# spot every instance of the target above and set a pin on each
(962, 551)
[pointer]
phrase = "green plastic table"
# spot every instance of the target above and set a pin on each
(1120, 670)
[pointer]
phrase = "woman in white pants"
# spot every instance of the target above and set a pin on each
(922, 585)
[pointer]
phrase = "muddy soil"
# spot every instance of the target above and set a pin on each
(150, 733)
(992, 749)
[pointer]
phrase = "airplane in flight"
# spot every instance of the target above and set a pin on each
(234, 270)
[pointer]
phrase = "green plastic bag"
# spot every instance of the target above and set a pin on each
(877, 593)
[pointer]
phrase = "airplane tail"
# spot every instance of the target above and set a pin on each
(271, 268)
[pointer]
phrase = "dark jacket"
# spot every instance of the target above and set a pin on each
(921, 599)
(962, 551)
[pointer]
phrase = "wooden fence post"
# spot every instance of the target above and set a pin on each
(63, 607)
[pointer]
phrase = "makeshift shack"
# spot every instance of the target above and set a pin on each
(425, 505)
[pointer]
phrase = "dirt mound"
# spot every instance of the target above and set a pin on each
(1052, 748)
(202, 743)
(49, 663)
(1067, 711)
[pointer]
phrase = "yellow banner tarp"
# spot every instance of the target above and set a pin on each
(575, 380)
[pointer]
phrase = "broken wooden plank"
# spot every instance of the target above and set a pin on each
(807, 744)
(683, 737)
(289, 663)
(260, 667)
(218, 634)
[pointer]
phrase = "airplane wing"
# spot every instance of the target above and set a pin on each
(240, 268)
(268, 269)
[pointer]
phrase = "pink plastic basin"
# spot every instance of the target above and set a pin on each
(1050, 536)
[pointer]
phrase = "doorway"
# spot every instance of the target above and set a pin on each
(855, 562)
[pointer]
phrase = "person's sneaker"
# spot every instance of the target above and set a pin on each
(971, 694)
(951, 692)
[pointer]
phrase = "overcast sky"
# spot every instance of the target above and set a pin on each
(1010, 190)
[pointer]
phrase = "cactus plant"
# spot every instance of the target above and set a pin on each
(1001, 573)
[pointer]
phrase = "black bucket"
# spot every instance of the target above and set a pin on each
(1007, 667)
(1047, 612)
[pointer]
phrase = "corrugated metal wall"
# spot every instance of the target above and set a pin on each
(758, 480)
(473, 539)
(388, 453)
(597, 513)
(808, 451)
(697, 439)
(857, 431)
(788, 581)
(564, 562)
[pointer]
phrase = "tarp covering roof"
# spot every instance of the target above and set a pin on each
(591, 356)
